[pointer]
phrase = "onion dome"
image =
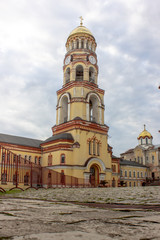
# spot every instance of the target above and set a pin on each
(145, 134)
(80, 30)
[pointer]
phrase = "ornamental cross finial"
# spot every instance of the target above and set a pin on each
(81, 18)
(144, 127)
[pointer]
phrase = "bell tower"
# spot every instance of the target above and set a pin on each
(81, 96)
(80, 108)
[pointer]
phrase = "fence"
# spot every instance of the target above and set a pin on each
(18, 172)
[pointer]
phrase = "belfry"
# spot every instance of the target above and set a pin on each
(79, 145)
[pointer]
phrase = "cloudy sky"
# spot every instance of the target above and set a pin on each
(33, 34)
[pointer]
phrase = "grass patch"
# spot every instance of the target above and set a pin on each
(3, 238)
(63, 213)
(8, 214)
(14, 191)
(109, 200)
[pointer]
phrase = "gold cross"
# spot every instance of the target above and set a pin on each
(81, 18)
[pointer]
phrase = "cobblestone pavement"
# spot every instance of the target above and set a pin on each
(47, 214)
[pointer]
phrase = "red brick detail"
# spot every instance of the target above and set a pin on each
(89, 85)
(80, 124)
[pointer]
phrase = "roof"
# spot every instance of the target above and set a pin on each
(113, 156)
(77, 118)
(131, 150)
(23, 141)
(131, 163)
(81, 30)
(156, 146)
(66, 136)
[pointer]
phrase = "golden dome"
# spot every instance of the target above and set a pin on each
(80, 30)
(144, 134)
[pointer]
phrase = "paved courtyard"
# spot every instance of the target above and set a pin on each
(105, 213)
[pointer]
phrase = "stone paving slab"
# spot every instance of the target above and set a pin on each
(40, 215)
(137, 195)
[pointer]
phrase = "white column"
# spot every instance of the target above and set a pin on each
(87, 111)
(68, 111)
(58, 115)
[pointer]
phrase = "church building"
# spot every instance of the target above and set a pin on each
(78, 146)
(145, 154)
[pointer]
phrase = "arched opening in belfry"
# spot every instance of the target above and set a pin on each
(67, 75)
(93, 109)
(77, 43)
(91, 74)
(79, 73)
(87, 44)
(72, 45)
(82, 44)
(64, 110)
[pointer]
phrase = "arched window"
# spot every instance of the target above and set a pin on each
(67, 75)
(64, 110)
(79, 73)
(26, 178)
(98, 152)
(91, 74)
(35, 160)
(90, 148)
(25, 159)
(29, 159)
(49, 179)
(49, 160)
(146, 140)
(62, 177)
(62, 158)
(94, 147)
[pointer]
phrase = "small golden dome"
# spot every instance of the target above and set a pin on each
(81, 30)
(144, 134)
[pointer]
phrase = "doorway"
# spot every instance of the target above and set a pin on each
(94, 175)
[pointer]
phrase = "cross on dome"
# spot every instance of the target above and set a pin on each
(81, 19)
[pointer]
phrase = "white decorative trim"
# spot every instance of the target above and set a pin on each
(59, 105)
(101, 163)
